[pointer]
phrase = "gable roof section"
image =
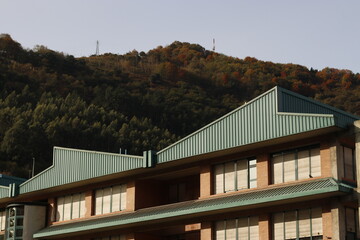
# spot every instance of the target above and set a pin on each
(274, 114)
(290, 102)
(73, 165)
(6, 180)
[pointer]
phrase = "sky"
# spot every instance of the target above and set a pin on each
(312, 33)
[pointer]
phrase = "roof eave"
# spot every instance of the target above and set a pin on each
(309, 190)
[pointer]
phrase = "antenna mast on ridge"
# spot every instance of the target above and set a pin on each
(97, 48)
(213, 44)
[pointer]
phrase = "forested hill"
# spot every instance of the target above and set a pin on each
(137, 101)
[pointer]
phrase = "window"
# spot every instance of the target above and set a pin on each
(110, 199)
(304, 224)
(246, 228)
(177, 192)
(351, 220)
(2, 220)
(296, 164)
(176, 237)
(349, 160)
(15, 222)
(70, 207)
(119, 237)
(235, 175)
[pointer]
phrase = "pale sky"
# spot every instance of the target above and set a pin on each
(313, 33)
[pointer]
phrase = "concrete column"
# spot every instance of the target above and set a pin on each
(263, 170)
(33, 220)
(205, 181)
(206, 231)
(326, 160)
(338, 221)
(327, 222)
(51, 211)
(130, 196)
(336, 160)
(357, 160)
(89, 203)
(264, 227)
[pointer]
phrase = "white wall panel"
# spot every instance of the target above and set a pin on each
(289, 167)
(277, 169)
(116, 195)
(242, 174)
(98, 201)
(67, 207)
(75, 206)
(106, 200)
(220, 230)
(303, 164)
(229, 176)
(316, 220)
(219, 179)
(315, 162)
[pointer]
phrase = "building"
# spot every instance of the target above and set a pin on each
(281, 166)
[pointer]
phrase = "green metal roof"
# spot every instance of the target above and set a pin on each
(206, 207)
(4, 192)
(274, 114)
(6, 180)
(73, 165)
(9, 185)
(291, 102)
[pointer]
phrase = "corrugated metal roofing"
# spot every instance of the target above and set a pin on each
(276, 113)
(72, 165)
(296, 103)
(6, 180)
(4, 192)
(309, 188)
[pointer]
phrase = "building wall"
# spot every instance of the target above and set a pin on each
(153, 190)
(34, 220)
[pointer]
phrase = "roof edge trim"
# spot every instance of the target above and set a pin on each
(325, 185)
(97, 152)
(38, 175)
(306, 114)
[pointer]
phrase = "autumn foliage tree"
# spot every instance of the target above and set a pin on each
(137, 101)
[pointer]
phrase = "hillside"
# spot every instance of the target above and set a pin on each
(136, 101)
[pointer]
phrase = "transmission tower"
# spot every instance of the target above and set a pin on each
(97, 48)
(214, 44)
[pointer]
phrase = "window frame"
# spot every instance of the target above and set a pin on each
(294, 151)
(297, 223)
(235, 170)
(353, 162)
(355, 219)
(2, 219)
(120, 237)
(248, 220)
(123, 185)
(59, 216)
